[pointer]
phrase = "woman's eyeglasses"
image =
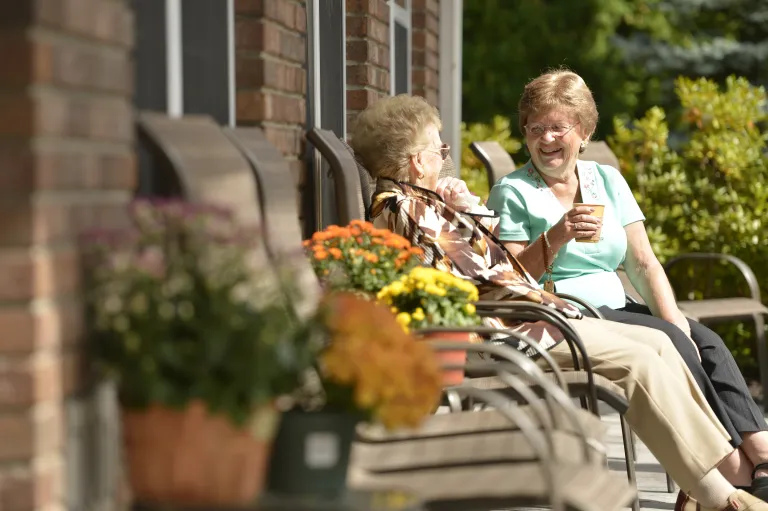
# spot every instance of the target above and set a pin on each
(538, 130)
(444, 151)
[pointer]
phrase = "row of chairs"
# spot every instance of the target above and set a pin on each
(529, 445)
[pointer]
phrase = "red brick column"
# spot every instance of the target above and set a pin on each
(367, 54)
(271, 79)
(66, 161)
(426, 37)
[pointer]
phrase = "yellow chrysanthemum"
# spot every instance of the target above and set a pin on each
(404, 319)
(435, 290)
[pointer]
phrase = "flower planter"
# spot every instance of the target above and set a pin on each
(192, 458)
(452, 357)
(311, 454)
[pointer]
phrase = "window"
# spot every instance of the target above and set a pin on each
(400, 50)
(184, 58)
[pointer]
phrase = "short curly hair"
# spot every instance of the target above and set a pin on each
(559, 89)
(387, 133)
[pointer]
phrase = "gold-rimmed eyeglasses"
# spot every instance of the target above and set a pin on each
(444, 151)
(557, 130)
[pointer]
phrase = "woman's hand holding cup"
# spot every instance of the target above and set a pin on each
(582, 223)
(451, 190)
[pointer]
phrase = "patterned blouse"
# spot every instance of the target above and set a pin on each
(466, 246)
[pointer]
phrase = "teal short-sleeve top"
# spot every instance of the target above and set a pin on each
(527, 207)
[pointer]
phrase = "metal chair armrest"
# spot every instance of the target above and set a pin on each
(593, 311)
(527, 311)
(554, 395)
(746, 271)
(504, 352)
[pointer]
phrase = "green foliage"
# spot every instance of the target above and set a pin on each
(705, 189)
(628, 51)
(472, 169)
(712, 38)
(180, 312)
(506, 44)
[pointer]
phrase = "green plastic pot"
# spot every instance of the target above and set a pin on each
(310, 456)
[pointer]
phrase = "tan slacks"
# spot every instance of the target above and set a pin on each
(666, 407)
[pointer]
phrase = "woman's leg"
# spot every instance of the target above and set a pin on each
(666, 407)
(732, 391)
(737, 469)
(730, 386)
(711, 487)
(687, 351)
(724, 374)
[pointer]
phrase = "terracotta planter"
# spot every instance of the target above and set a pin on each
(191, 458)
(459, 356)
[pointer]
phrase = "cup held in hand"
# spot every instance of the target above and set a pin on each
(599, 209)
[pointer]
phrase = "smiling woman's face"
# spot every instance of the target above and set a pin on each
(554, 154)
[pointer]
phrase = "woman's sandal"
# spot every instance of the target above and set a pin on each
(684, 502)
(759, 486)
(739, 500)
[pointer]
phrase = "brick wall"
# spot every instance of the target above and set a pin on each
(426, 37)
(367, 54)
(66, 160)
(271, 76)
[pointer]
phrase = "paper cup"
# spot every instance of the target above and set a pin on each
(598, 212)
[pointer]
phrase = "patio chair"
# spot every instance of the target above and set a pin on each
(501, 471)
(272, 176)
(599, 151)
(582, 384)
(488, 152)
(705, 309)
(197, 161)
(206, 167)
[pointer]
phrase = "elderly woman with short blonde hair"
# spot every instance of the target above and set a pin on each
(547, 212)
(398, 140)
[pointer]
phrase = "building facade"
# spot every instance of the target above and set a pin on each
(72, 77)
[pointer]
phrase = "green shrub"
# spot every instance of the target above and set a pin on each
(472, 170)
(704, 185)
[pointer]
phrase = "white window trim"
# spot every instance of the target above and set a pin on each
(313, 72)
(450, 74)
(174, 59)
(401, 15)
(231, 59)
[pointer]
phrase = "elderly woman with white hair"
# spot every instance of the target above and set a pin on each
(398, 140)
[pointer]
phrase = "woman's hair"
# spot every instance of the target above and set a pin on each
(387, 133)
(559, 90)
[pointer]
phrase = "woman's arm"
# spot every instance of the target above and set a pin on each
(647, 275)
(575, 223)
(531, 256)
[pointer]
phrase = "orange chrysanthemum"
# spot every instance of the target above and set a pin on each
(349, 253)
(392, 375)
